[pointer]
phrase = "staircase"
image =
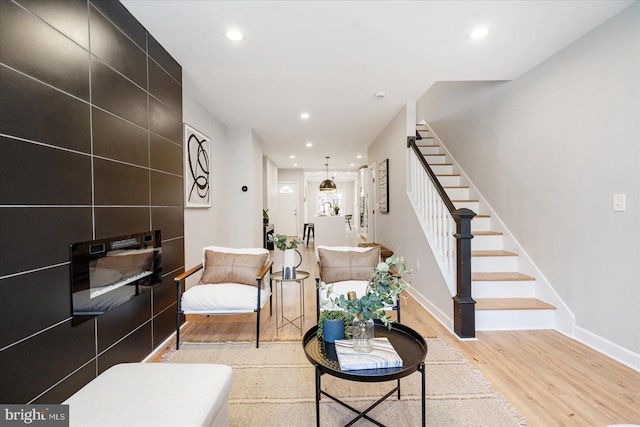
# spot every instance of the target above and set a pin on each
(504, 296)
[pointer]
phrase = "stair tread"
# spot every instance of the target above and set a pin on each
(454, 201)
(512, 304)
(486, 233)
(455, 186)
(450, 174)
(500, 276)
(492, 253)
(483, 216)
(433, 155)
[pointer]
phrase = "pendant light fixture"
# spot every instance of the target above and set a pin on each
(328, 184)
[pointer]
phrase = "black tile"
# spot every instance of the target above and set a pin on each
(33, 174)
(70, 17)
(34, 111)
(37, 237)
(120, 16)
(166, 61)
(33, 47)
(133, 348)
(166, 156)
(166, 190)
(164, 121)
(66, 388)
(164, 87)
(164, 325)
(118, 139)
(117, 50)
(168, 219)
(41, 361)
(121, 221)
(35, 301)
(114, 93)
(172, 255)
(119, 184)
(164, 294)
(118, 322)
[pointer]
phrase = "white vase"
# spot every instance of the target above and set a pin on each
(289, 264)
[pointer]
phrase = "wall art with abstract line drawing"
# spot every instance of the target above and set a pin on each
(197, 159)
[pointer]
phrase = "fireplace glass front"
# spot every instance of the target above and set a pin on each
(107, 273)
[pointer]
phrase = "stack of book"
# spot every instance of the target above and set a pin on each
(382, 356)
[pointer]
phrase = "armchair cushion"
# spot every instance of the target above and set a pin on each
(222, 265)
(341, 265)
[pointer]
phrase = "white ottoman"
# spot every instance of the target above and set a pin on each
(154, 395)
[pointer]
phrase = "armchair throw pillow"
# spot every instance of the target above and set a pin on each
(338, 266)
(224, 267)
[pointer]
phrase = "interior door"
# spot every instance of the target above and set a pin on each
(287, 220)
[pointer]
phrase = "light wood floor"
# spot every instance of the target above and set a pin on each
(550, 379)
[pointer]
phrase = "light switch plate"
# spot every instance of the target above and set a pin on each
(619, 202)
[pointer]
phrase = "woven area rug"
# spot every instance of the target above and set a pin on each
(275, 386)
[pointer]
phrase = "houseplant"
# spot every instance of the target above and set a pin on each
(289, 250)
(384, 286)
(333, 325)
(265, 217)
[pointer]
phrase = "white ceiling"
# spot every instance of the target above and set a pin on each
(329, 58)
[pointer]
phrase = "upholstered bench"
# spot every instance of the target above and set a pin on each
(384, 251)
(154, 395)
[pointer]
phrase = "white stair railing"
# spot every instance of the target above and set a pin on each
(448, 231)
(436, 220)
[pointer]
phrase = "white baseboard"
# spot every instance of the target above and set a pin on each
(608, 348)
(440, 316)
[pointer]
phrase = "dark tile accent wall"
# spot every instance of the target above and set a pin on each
(90, 147)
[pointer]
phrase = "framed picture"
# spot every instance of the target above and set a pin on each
(197, 155)
(383, 186)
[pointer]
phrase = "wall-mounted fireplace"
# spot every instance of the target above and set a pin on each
(107, 273)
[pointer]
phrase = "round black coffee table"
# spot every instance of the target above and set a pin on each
(410, 346)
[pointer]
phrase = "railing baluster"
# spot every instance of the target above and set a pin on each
(449, 230)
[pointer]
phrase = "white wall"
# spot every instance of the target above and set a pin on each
(269, 187)
(400, 231)
(548, 151)
(203, 227)
(244, 209)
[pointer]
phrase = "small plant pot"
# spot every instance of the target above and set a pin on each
(333, 330)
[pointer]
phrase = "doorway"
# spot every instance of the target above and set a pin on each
(287, 217)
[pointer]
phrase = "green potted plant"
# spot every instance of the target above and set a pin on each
(333, 325)
(289, 250)
(384, 286)
(265, 216)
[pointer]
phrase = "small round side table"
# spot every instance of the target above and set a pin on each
(282, 320)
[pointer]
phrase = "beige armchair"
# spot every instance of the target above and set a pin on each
(347, 269)
(233, 281)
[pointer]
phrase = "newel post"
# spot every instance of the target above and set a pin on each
(464, 316)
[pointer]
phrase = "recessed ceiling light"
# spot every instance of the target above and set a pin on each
(309, 144)
(295, 164)
(478, 33)
(304, 115)
(352, 164)
(234, 35)
(359, 156)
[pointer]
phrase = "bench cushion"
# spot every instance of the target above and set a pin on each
(154, 395)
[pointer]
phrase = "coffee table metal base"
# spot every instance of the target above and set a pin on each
(363, 414)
